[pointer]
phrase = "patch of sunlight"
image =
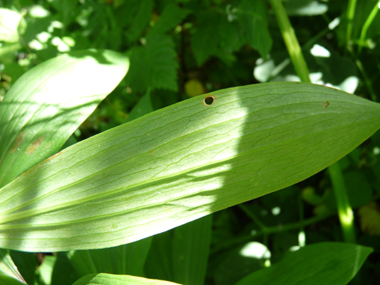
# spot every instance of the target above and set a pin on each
(316, 77)
(334, 23)
(301, 239)
(54, 25)
(294, 248)
(43, 37)
(62, 44)
(268, 69)
(376, 150)
(347, 217)
(320, 51)
(255, 250)
(349, 84)
(37, 11)
(35, 44)
(276, 211)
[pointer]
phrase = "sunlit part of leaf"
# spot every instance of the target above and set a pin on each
(111, 279)
(321, 263)
(154, 65)
(49, 102)
(8, 270)
(180, 163)
(9, 21)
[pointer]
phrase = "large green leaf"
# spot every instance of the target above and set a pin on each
(111, 279)
(49, 102)
(180, 163)
(181, 255)
(322, 263)
(124, 259)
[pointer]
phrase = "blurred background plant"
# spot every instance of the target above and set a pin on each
(180, 49)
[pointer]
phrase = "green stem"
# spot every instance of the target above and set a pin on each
(350, 20)
(299, 63)
(345, 212)
(368, 23)
(290, 40)
(273, 230)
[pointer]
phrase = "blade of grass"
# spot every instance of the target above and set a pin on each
(367, 24)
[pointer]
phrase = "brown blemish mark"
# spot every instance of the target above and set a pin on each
(48, 146)
(151, 151)
(51, 157)
(209, 100)
(326, 104)
(18, 141)
(34, 145)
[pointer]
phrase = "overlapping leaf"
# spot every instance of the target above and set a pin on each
(48, 103)
(180, 163)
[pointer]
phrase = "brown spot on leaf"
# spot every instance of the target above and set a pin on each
(34, 145)
(326, 104)
(55, 155)
(18, 141)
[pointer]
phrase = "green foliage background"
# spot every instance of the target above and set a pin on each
(182, 48)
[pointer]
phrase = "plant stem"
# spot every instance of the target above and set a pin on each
(350, 19)
(272, 230)
(368, 23)
(345, 212)
(294, 50)
(290, 40)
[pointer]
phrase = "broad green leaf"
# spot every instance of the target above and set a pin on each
(110, 279)
(322, 263)
(49, 102)
(57, 270)
(125, 259)
(180, 163)
(9, 274)
(182, 253)
(191, 246)
(154, 65)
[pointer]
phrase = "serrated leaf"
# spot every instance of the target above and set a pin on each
(180, 163)
(171, 16)
(205, 40)
(111, 279)
(253, 20)
(49, 102)
(9, 274)
(154, 65)
(141, 20)
(321, 263)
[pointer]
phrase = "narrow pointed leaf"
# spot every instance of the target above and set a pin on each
(125, 259)
(111, 279)
(180, 163)
(322, 263)
(49, 102)
(9, 274)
